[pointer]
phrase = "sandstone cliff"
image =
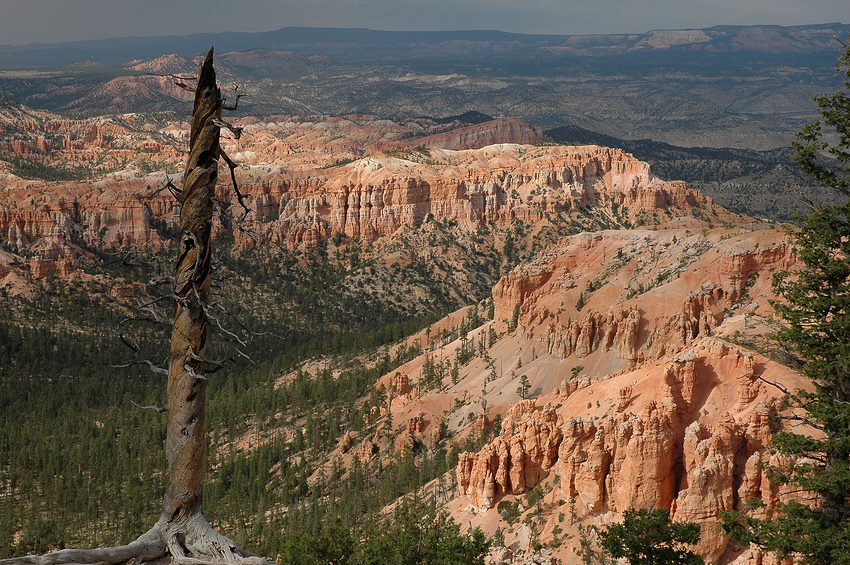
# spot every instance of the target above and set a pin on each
(641, 395)
(691, 442)
(369, 198)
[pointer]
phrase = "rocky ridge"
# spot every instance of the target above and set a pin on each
(634, 399)
(295, 197)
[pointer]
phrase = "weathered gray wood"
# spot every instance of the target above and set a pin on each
(184, 443)
(148, 546)
(182, 531)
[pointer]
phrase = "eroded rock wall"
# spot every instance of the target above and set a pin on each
(693, 445)
(655, 406)
(369, 198)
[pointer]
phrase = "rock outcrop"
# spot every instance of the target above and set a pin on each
(369, 198)
(637, 304)
(501, 130)
(692, 444)
(516, 460)
(642, 400)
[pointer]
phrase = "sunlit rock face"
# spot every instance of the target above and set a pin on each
(368, 198)
(663, 410)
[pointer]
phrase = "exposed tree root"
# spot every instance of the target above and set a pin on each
(193, 542)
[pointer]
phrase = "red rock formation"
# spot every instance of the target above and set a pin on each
(677, 447)
(740, 262)
(345, 443)
(518, 459)
(616, 331)
(38, 145)
(646, 307)
(400, 384)
(369, 198)
(416, 424)
(366, 451)
(665, 412)
(480, 424)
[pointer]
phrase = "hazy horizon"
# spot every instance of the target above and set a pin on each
(46, 21)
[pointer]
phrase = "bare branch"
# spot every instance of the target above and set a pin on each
(147, 547)
(182, 85)
(156, 369)
(235, 104)
(801, 420)
(208, 307)
(166, 279)
(148, 307)
(236, 130)
(237, 223)
(127, 341)
(784, 390)
(211, 367)
(797, 403)
(127, 259)
(806, 200)
(159, 409)
(153, 366)
(232, 166)
(175, 192)
(246, 356)
(221, 327)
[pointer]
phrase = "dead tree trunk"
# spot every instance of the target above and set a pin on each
(185, 434)
(182, 531)
(184, 444)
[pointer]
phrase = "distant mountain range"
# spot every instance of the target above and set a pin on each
(746, 87)
(371, 46)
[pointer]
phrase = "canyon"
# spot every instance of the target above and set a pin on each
(304, 181)
(637, 310)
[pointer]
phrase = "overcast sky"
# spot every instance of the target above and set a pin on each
(52, 21)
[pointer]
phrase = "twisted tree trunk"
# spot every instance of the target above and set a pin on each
(187, 531)
(184, 444)
(182, 531)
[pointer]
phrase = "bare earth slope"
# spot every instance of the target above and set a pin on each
(621, 363)
(642, 397)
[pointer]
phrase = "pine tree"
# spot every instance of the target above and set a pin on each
(649, 537)
(524, 387)
(816, 307)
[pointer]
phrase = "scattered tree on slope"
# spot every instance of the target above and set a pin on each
(649, 537)
(817, 310)
(182, 531)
